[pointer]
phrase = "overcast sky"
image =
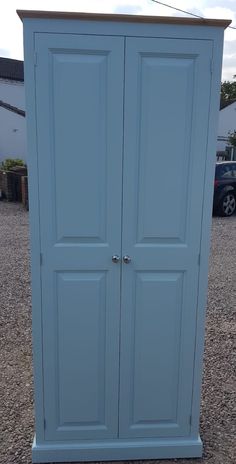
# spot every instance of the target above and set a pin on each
(11, 43)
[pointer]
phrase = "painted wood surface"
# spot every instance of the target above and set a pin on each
(118, 347)
(79, 82)
(162, 207)
(122, 18)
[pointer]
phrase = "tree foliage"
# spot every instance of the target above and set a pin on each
(232, 138)
(9, 163)
(228, 93)
(228, 90)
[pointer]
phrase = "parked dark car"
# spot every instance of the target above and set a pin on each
(224, 203)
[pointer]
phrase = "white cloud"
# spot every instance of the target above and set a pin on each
(218, 12)
(11, 28)
(128, 9)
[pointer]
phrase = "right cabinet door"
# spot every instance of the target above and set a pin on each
(167, 88)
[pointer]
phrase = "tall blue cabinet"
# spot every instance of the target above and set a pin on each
(122, 119)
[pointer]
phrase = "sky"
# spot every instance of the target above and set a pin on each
(11, 34)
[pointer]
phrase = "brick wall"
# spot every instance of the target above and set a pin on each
(24, 191)
(10, 184)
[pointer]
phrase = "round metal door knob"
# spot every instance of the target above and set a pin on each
(126, 259)
(115, 259)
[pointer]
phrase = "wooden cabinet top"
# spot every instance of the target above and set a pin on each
(123, 18)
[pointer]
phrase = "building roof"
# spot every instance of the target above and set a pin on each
(122, 17)
(225, 103)
(14, 109)
(11, 69)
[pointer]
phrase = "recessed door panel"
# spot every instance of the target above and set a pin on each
(157, 313)
(80, 133)
(81, 334)
(167, 87)
(164, 142)
(80, 137)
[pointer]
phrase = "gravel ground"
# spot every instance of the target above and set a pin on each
(218, 418)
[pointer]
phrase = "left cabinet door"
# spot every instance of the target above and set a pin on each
(79, 106)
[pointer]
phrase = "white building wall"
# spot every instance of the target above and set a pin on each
(12, 125)
(227, 122)
(12, 135)
(13, 92)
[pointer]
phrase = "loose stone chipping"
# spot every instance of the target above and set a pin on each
(218, 415)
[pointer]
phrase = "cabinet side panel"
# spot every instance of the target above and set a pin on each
(32, 163)
(206, 224)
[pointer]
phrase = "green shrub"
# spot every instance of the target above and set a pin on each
(9, 163)
(232, 138)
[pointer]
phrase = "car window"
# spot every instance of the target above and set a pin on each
(226, 171)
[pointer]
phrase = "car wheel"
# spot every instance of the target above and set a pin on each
(227, 204)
